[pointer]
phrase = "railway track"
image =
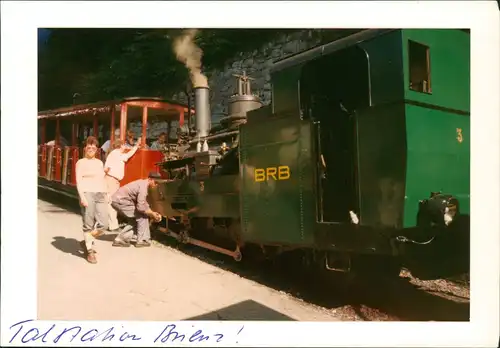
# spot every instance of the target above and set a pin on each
(403, 299)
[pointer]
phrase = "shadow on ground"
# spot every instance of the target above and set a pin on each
(68, 246)
(409, 302)
(108, 237)
(57, 211)
(246, 310)
(65, 205)
(399, 300)
(73, 247)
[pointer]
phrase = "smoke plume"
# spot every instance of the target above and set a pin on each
(188, 53)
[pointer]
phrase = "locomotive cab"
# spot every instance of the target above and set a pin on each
(373, 147)
(332, 88)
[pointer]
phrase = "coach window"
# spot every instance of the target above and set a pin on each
(419, 66)
(50, 131)
(65, 129)
(165, 121)
(135, 123)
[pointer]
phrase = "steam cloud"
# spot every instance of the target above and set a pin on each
(188, 53)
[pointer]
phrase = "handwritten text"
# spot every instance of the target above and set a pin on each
(27, 331)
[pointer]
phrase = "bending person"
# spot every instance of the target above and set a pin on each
(93, 197)
(131, 201)
(115, 171)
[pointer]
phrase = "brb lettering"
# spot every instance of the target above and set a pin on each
(272, 173)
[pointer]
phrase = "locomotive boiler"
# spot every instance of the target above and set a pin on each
(359, 164)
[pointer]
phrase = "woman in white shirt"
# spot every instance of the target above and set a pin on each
(115, 171)
(91, 188)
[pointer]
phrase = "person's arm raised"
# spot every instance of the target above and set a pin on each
(126, 156)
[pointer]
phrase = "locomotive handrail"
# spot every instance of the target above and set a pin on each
(179, 163)
(216, 136)
(328, 48)
(207, 164)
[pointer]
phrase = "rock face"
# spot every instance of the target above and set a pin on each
(256, 64)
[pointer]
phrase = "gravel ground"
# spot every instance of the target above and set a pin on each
(407, 299)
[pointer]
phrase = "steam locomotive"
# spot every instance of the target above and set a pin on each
(359, 164)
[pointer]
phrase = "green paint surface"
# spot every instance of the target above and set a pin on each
(273, 209)
(449, 66)
(436, 159)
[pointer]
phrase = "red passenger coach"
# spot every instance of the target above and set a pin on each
(63, 131)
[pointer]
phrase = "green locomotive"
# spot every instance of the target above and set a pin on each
(360, 163)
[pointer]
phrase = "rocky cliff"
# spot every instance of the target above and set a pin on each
(256, 64)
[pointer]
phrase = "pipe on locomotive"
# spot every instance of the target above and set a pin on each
(202, 119)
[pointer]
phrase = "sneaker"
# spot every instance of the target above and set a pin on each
(91, 257)
(142, 244)
(116, 230)
(120, 243)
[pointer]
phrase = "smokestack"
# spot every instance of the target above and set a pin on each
(202, 109)
(188, 53)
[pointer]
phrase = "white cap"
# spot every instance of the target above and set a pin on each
(117, 132)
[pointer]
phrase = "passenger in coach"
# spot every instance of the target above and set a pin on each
(129, 141)
(106, 147)
(131, 201)
(62, 142)
(161, 143)
(115, 171)
(92, 191)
